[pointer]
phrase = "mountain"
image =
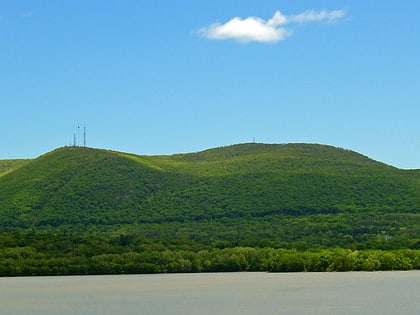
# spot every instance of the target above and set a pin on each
(296, 195)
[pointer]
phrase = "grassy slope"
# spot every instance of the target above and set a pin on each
(295, 193)
(7, 166)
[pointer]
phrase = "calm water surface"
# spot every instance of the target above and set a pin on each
(217, 293)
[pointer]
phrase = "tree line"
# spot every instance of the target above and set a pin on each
(27, 261)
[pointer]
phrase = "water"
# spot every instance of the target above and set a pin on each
(222, 293)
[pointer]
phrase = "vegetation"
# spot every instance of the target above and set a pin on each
(7, 166)
(254, 206)
(30, 254)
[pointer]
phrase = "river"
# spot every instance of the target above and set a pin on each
(352, 293)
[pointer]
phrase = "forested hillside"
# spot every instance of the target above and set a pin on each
(292, 196)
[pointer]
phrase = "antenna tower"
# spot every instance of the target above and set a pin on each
(84, 135)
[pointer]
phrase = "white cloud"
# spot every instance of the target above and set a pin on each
(313, 16)
(246, 30)
(277, 19)
(255, 29)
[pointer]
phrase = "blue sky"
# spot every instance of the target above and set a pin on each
(163, 77)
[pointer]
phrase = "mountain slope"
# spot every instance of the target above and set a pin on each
(288, 193)
(7, 166)
(253, 157)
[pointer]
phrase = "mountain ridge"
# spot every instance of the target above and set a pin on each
(246, 207)
(221, 152)
(79, 189)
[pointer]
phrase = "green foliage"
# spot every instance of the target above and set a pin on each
(52, 254)
(7, 166)
(218, 210)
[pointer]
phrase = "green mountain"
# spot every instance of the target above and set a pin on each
(247, 207)
(290, 195)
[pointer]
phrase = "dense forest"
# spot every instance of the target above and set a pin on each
(247, 207)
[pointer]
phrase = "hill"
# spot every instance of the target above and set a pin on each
(291, 196)
(78, 188)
